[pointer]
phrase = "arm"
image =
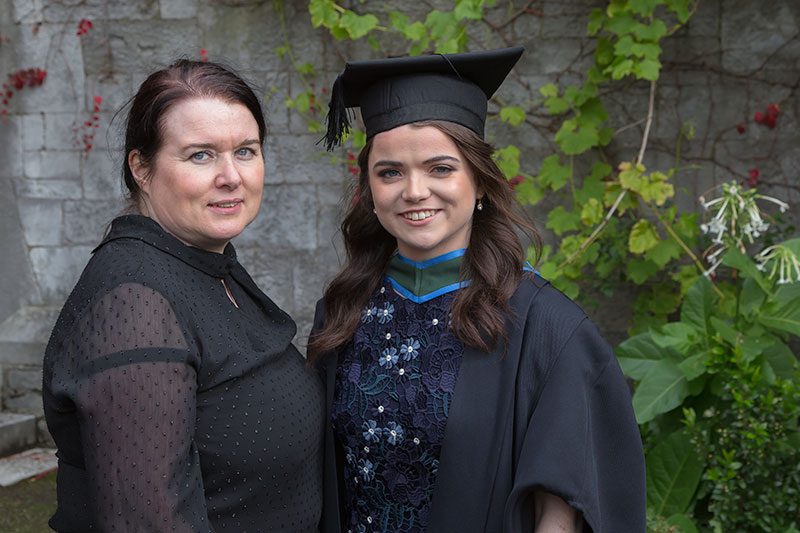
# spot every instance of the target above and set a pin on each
(135, 395)
(553, 515)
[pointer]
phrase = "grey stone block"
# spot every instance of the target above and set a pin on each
(244, 36)
(20, 381)
(750, 34)
(271, 269)
(10, 148)
(68, 189)
(288, 219)
(178, 9)
(17, 432)
(41, 221)
(32, 131)
(98, 10)
(86, 221)
(52, 164)
(115, 88)
(29, 324)
(298, 159)
(28, 403)
(102, 176)
(63, 131)
(26, 11)
(23, 353)
(57, 270)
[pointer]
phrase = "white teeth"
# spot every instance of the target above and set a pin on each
(419, 215)
(230, 204)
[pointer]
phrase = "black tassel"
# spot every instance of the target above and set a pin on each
(338, 121)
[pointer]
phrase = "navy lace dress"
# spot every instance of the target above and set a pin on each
(394, 385)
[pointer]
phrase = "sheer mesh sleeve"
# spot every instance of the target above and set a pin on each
(134, 391)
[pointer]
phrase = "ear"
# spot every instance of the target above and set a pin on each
(138, 169)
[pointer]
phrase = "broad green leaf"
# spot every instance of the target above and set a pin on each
(662, 389)
(600, 170)
(665, 251)
(678, 335)
(592, 113)
(468, 9)
(638, 354)
(640, 270)
(673, 474)
(448, 46)
(624, 46)
(513, 115)
(323, 13)
(556, 105)
(781, 359)
(654, 32)
(549, 90)
(752, 297)
(577, 142)
(643, 7)
(621, 23)
(695, 366)
(560, 220)
(782, 316)
(643, 237)
(528, 192)
(683, 523)
(620, 69)
(358, 26)
(508, 160)
(753, 346)
(592, 212)
(596, 19)
(787, 292)
(647, 69)
(728, 333)
(339, 33)
(696, 308)
(592, 189)
(553, 173)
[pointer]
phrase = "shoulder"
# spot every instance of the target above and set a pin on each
(538, 302)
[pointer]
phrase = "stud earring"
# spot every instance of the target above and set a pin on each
(374, 212)
(479, 207)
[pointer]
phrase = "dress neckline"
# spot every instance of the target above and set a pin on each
(424, 281)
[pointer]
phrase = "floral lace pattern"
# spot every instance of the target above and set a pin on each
(394, 385)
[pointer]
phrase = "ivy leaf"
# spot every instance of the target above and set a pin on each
(560, 220)
(281, 51)
(624, 46)
(576, 142)
(664, 252)
(592, 189)
(592, 212)
(647, 69)
(314, 126)
(528, 192)
(302, 102)
(604, 53)
(440, 24)
(592, 113)
(654, 32)
(643, 7)
(553, 173)
(656, 188)
(306, 68)
(640, 270)
(643, 237)
(513, 115)
(448, 46)
(596, 19)
(508, 160)
(680, 8)
(662, 389)
(673, 474)
(374, 44)
(556, 105)
(339, 33)
(620, 69)
(620, 23)
(549, 90)
(468, 9)
(358, 26)
(323, 13)
(605, 135)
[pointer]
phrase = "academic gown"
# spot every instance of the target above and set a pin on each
(553, 413)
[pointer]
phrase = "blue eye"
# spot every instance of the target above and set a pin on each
(389, 173)
(200, 156)
(246, 153)
(441, 169)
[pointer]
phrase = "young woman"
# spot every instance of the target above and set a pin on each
(464, 393)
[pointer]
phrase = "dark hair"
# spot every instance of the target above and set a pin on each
(493, 260)
(182, 80)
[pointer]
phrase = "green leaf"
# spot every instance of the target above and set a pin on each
(306, 68)
(592, 189)
(662, 389)
(752, 297)
(643, 7)
(303, 102)
(513, 115)
(560, 220)
(358, 26)
(596, 19)
(592, 113)
(621, 22)
(643, 237)
(468, 9)
(314, 126)
(605, 135)
(556, 105)
(680, 8)
(592, 212)
(664, 252)
(323, 13)
(624, 46)
(673, 475)
(647, 69)
(728, 333)
(374, 44)
(696, 308)
(638, 354)
(549, 90)
(576, 142)
(653, 32)
(620, 69)
(553, 173)
(640, 270)
(528, 192)
(695, 366)
(785, 317)
(440, 24)
(683, 523)
(678, 335)
(604, 53)
(508, 160)
(781, 359)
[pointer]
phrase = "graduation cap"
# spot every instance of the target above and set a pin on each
(397, 91)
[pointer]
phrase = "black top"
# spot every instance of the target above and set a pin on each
(172, 409)
(552, 413)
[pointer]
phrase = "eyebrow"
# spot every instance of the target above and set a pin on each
(435, 159)
(246, 142)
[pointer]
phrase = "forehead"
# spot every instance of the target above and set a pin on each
(208, 117)
(411, 141)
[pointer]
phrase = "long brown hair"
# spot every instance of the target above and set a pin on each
(493, 260)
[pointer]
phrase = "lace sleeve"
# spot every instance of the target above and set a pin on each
(135, 386)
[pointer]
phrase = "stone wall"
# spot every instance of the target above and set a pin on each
(56, 199)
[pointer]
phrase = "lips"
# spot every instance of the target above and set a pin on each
(419, 215)
(226, 204)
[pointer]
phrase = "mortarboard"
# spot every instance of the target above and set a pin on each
(397, 91)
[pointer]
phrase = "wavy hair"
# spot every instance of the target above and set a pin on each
(493, 260)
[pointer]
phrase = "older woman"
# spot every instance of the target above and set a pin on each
(465, 392)
(171, 386)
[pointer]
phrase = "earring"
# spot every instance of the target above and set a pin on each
(374, 212)
(479, 207)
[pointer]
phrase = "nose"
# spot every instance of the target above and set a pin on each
(416, 188)
(227, 174)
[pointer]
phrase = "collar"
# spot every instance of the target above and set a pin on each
(420, 282)
(147, 230)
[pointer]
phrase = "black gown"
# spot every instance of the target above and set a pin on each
(172, 408)
(554, 413)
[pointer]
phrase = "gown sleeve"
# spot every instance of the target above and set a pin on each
(582, 442)
(131, 376)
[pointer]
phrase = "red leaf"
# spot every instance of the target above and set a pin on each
(769, 121)
(98, 100)
(759, 117)
(773, 109)
(740, 128)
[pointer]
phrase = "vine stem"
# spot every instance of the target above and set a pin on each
(639, 158)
